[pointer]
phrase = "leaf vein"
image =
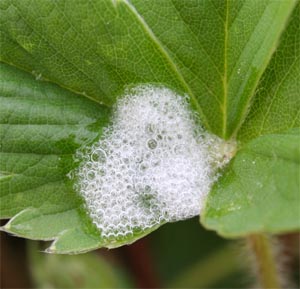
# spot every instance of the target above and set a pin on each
(171, 63)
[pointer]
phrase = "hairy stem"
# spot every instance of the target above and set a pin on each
(267, 268)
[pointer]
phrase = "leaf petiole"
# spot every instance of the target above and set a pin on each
(267, 269)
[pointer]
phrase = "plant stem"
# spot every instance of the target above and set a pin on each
(265, 260)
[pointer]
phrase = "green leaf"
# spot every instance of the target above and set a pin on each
(213, 51)
(41, 127)
(220, 51)
(276, 105)
(82, 55)
(259, 192)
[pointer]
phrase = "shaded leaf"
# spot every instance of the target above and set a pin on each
(84, 271)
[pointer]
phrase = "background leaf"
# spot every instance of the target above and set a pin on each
(81, 271)
(181, 263)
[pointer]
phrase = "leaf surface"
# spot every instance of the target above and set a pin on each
(276, 103)
(41, 127)
(213, 51)
(259, 192)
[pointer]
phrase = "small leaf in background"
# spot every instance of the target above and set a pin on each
(89, 270)
(188, 256)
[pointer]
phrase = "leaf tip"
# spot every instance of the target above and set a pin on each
(2, 229)
(6, 228)
(51, 249)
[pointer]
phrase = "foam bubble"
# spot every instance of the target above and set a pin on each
(153, 164)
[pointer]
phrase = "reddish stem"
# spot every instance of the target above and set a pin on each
(139, 259)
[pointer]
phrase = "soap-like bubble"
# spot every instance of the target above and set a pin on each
(152, 144)
(152, 165)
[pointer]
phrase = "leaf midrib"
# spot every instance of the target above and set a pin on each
(58, 84)
(225, 80)
(168, 58)
(62, 54)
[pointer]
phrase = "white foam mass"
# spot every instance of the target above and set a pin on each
(153, 164)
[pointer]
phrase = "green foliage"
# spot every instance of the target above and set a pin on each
(259, 192)
(64, 63)
(80, 271)
(41, 127)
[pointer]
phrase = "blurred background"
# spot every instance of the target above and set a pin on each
(178, 255)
